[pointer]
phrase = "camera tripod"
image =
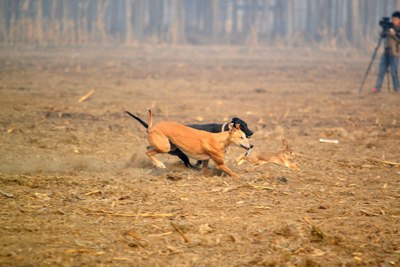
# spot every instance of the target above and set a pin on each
(386, 54)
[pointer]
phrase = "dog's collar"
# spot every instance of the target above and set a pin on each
(223, 127)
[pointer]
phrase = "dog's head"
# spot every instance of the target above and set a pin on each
(243, 126)
(238, 137)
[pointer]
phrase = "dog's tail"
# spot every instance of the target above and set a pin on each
(139, 119)
(151, 118)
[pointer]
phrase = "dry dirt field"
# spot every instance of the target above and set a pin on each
(77, 190)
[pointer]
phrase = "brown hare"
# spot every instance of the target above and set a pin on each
(282, 157)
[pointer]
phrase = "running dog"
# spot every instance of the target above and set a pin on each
(197, 144)
(212, 128)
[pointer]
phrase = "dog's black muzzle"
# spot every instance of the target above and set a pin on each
(247, 132)
(247, 148)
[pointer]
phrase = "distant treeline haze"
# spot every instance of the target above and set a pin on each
(330, 23)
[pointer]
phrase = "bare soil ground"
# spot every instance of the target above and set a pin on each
(77, 190)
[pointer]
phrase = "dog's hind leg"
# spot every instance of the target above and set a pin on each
(198, 163)
(159, 144)
(204, 167)
(182, 156)
(150, 153)
(185, 160)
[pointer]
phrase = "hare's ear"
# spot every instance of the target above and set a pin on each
(237, 126)
(284, 143)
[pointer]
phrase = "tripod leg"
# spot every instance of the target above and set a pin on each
(370, 64)
(388, 79)
(389, 68)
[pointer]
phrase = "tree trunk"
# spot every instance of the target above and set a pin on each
(128, 22)
(138, 19)
(39, 21)
(289, 21)
(234, 19)
(215, 21)
(354, 30)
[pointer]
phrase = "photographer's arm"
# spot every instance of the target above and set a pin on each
(396, 38)
(394, 35)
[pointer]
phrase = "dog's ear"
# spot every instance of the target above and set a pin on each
(233, 127)
(235, 119)
(230, 127)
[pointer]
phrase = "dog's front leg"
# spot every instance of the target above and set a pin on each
(221, 165)
(225, 169)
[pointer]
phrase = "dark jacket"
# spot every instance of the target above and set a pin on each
(393, 43)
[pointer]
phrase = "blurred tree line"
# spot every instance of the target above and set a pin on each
(195, 22)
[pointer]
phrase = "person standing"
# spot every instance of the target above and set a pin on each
(391, 55)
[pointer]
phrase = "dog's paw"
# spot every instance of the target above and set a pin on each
(160, 165)
(239, 162)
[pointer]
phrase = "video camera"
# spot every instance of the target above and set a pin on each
(385, 24)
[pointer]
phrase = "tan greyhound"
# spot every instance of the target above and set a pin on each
(282, 157)
(196, 144)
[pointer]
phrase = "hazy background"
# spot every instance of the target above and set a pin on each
(321, 23)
